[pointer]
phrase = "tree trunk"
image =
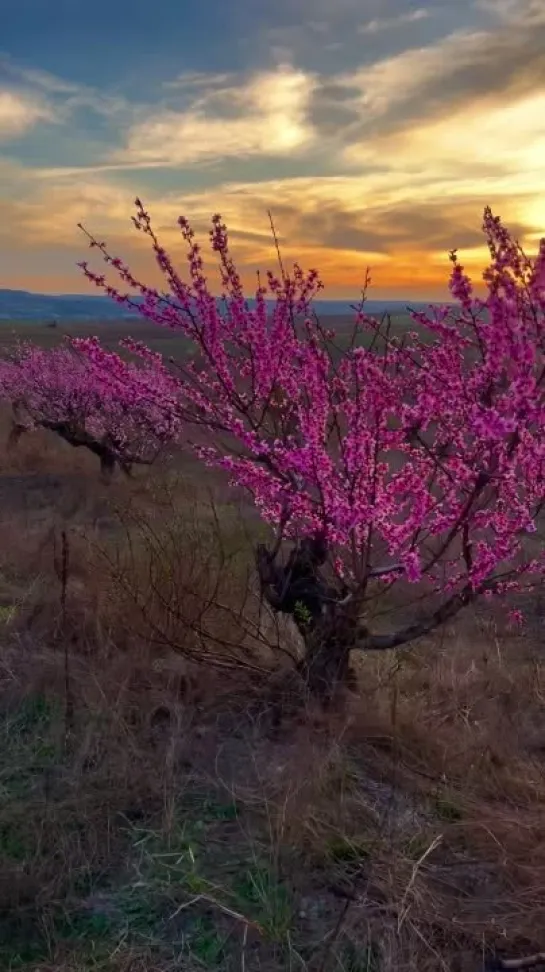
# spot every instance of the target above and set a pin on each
(329, 624)
(326, 663)
(107, 465)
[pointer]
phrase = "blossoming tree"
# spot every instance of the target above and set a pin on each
(63, 391)
(378, 458)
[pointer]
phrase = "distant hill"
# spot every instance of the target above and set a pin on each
(23, 305)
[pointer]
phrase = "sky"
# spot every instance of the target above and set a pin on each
(375, 131)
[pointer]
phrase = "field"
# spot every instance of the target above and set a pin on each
(110, 333)
(161, 339)
(154, 816)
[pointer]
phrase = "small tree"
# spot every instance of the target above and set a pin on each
(379, 457)
(416, 457)
(62, 391)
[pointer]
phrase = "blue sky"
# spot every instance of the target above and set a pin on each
(375, 130)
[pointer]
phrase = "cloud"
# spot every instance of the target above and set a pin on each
(426, 80)
(266, 116)
(35, 78)
(191, 80)
(336, 119)
(378, 213)
(40, 213)
(388, 23)
(477, 78)
(478, 144)
(58, 98)
(400, 226)
(388, 229)
(526, 12)
(345, 116)
(20, 111)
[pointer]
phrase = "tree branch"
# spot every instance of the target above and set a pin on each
(416, 630)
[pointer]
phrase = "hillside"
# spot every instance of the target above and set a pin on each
(23, 305)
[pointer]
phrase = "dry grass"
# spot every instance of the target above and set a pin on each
(168, 825)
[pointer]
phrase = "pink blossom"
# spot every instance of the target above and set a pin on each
(516, 618)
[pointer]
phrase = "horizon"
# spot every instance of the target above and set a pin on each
(375, 130)
(96, 293)
(32, 306)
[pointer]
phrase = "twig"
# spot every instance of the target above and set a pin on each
(222, 907)
(277, 246)
(335, 933)
(243, 952)
(61, 568)
(405, 910)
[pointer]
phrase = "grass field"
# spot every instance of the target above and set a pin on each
(153, 816)
(165, 341)
(161, 339)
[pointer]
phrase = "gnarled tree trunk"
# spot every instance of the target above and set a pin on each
(325, 665)
(329, 627)
(328, 619)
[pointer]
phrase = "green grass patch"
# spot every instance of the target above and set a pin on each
(7, 613)
(266, 900)
(355, 958)
(346, 850)
(30, 745)
(447, 808)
